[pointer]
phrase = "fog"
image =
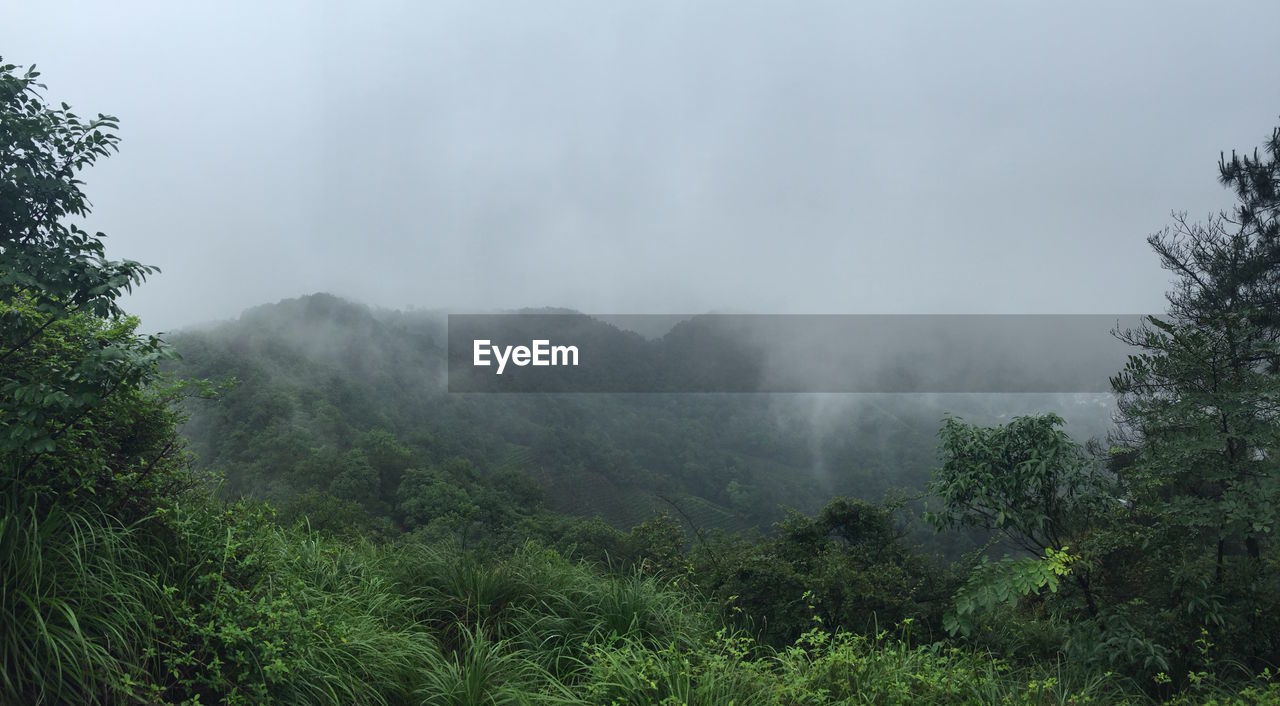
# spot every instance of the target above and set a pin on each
(655, 157)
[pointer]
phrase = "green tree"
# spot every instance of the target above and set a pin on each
(1199, 440)
(1256, 182)
(85, 416)
(88, 443)
(1027, 480)
(427, 496)
(51, 270)
(846, 567)
(356, 479)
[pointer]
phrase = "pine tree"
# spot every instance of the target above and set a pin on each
(1200, 415)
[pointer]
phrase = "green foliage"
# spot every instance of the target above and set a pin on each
(428, 496)
(1203, 406)
(74, 415)
(61, 267)
(1200, 438)
(76, 596)
(487, 673)
(1005, 583)
(356, 479)
(1256, 182)
(1027, 479)
(717, 672)
(323, 513)
(1175, 534)
(1030, 481)
(54, 373)
(657, 546)
(120, 583)
(844, 568)
(262, 614)
(318, 377)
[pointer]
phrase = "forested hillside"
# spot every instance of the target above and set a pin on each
(319, 397)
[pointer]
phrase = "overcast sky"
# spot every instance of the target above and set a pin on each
(656, 157)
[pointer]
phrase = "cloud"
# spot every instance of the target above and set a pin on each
(654, 158)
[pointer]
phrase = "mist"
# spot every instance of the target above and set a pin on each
(655, 158)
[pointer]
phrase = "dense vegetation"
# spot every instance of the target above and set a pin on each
(312, 388)
(367, 539)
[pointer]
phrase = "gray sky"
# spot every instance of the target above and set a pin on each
(656, 157)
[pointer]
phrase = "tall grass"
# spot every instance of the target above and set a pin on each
(266, 614)
(77, 598)
(206, 604)
(488, 673)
